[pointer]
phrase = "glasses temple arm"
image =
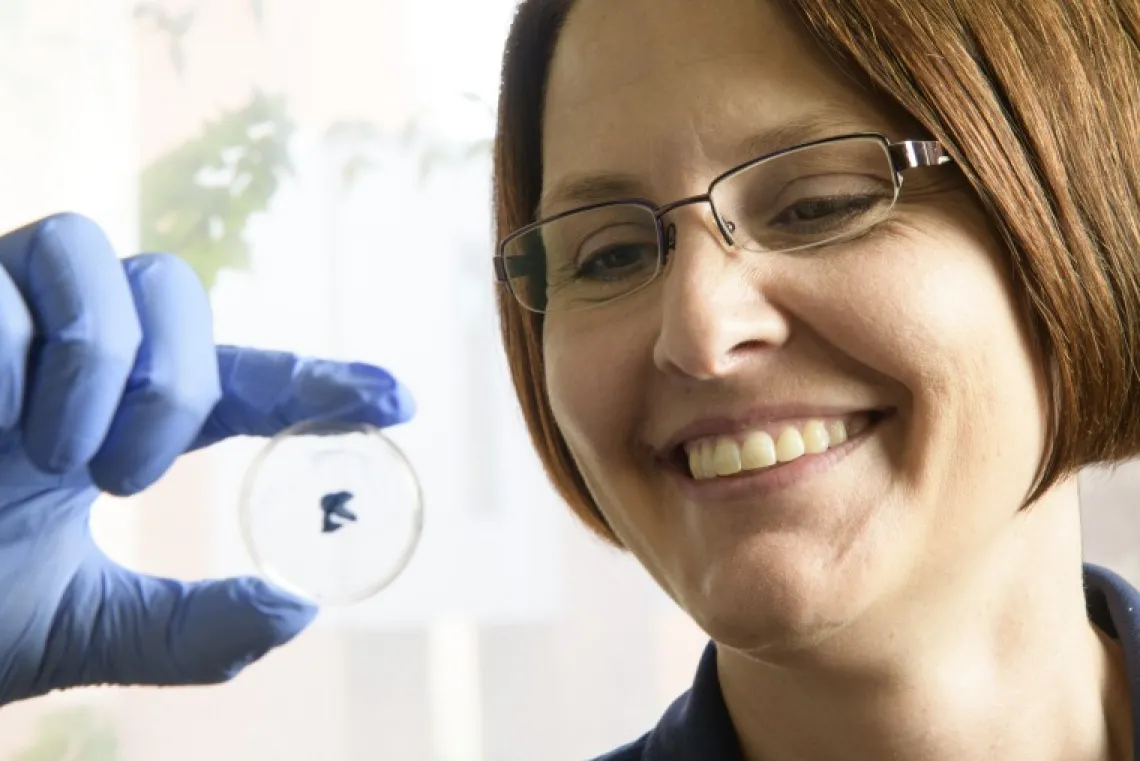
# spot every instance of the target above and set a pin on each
(911, 154)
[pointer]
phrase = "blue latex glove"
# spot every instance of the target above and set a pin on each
(108, 372)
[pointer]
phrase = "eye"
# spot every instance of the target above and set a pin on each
(825, 214)
(815, 210)
(618, 261)
(789, 205)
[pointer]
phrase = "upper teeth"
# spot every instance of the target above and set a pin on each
(729, 455)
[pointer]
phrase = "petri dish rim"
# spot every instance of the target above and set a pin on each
(329, 428)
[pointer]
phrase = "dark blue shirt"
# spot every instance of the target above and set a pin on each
(697, 727)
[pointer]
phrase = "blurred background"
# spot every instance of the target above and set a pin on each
(324, 167)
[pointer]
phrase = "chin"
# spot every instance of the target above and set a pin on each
(771, 609)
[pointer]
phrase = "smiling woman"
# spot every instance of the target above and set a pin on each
(818, 309)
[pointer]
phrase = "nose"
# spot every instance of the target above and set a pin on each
(715, 314)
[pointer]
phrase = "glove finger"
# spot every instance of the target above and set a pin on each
(174, 383)
(163, 632)
(15, 341)
(87, 330)
(265, 392)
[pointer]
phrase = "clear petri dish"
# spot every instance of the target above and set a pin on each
(332, 512)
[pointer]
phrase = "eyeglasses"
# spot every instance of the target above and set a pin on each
(814, 194)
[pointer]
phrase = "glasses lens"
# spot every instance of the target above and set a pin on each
(810, 196)
(583, 259)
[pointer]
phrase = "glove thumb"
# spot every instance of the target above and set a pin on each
(163, 632)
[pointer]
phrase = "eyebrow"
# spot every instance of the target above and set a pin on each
(585, 189)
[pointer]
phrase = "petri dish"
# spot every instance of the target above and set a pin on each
(331, 511)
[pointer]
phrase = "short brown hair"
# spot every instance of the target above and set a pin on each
(1039, 103)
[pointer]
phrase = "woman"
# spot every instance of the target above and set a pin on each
(834, 400)
(835, 407)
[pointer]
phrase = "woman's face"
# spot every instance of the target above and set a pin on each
(905, 341)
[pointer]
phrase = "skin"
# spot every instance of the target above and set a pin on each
(900, 604)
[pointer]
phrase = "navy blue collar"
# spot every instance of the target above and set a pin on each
(696, 727)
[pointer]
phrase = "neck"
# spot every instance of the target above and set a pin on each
(996, 660)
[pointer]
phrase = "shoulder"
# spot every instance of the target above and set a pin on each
(635, 751)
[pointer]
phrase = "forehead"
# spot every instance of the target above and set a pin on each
(625, 43)
(694, 81)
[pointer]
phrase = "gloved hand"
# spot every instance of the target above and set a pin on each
(108, 372)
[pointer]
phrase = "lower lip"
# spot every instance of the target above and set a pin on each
(766, 481)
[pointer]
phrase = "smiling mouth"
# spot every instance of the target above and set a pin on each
(728, 457)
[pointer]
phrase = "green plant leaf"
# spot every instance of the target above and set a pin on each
(76, 734)
(197, 200)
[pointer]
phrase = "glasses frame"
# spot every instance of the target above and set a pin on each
(904, 155)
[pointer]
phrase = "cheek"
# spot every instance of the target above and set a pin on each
(595, 376)
(598, 376)
(933, 314)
